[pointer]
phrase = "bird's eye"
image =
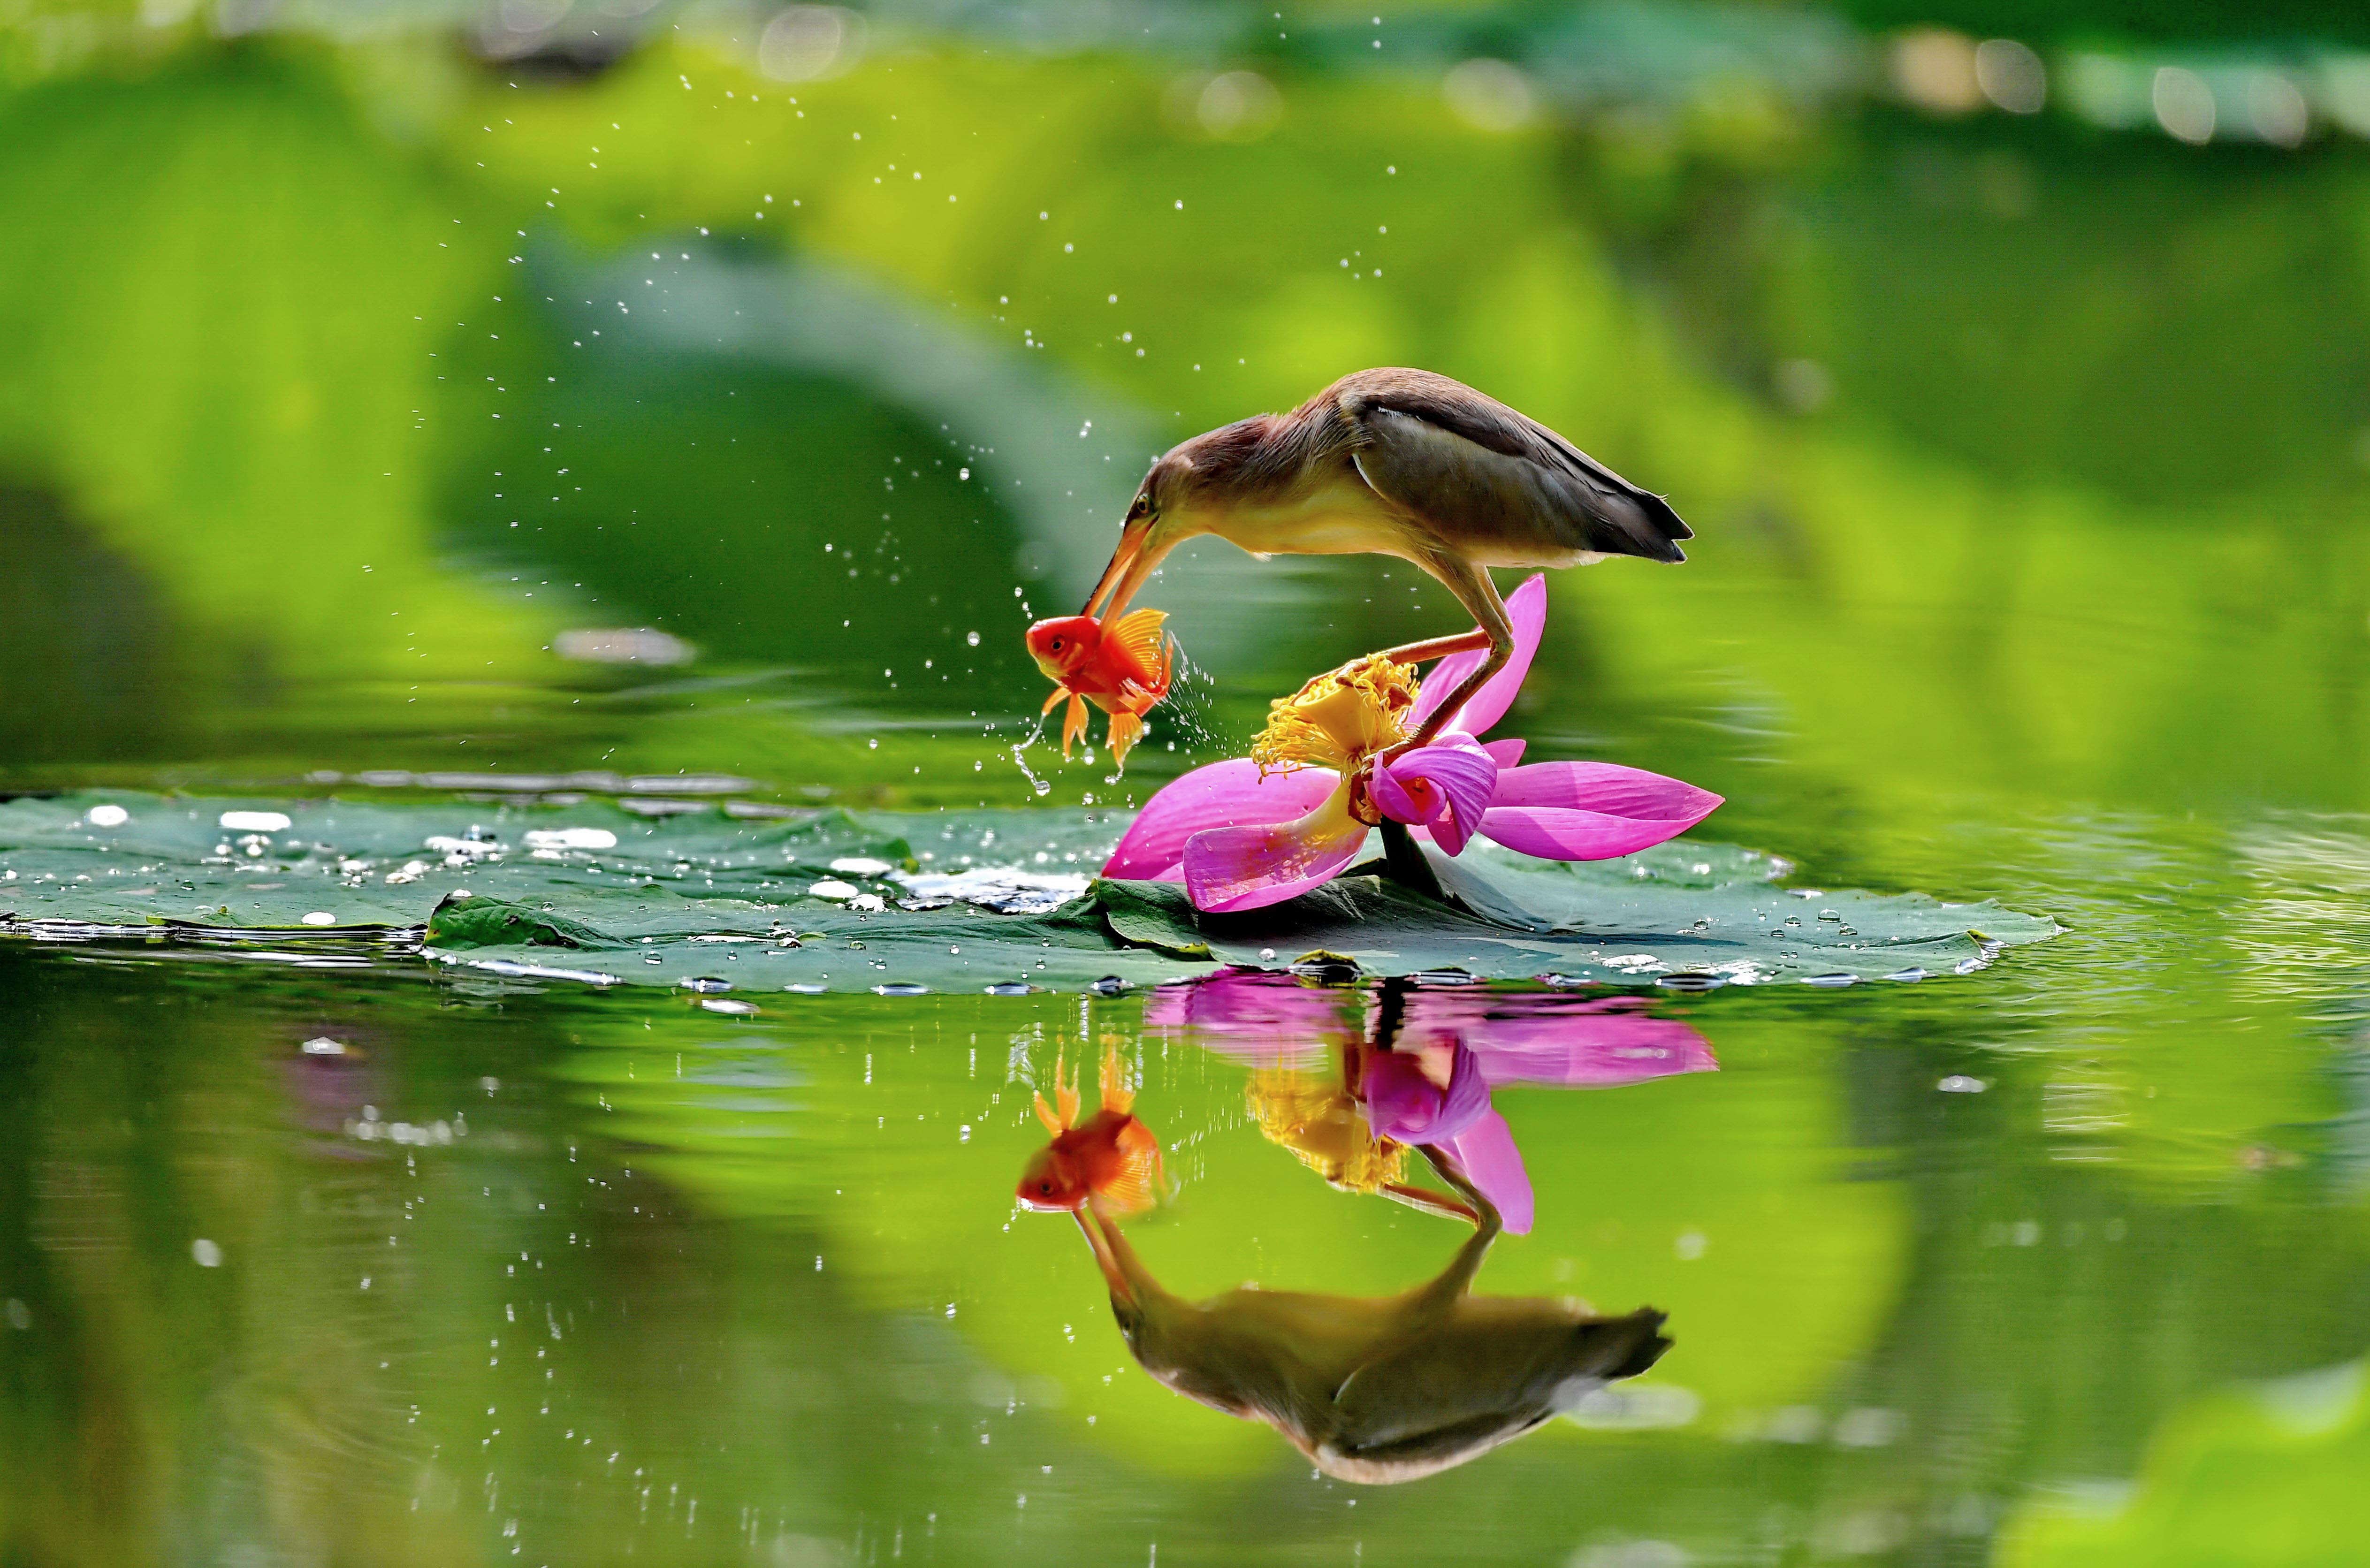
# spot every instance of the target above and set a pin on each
(1142, 506)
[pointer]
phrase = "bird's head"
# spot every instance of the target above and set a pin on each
(1063, 645)
(1158, 519)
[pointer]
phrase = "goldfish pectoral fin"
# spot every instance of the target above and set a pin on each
(1074, 724)
(1126, 729)
(1059, 693)
(1137, 637)
(1052, 1123)
(1130, 1191)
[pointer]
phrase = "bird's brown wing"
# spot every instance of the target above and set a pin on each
(1498, 1368)
(1478, 471)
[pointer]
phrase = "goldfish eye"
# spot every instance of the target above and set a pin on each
(1056, 645)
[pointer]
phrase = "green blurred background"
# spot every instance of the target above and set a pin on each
(405, 398)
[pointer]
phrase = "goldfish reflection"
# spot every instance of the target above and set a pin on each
(1378, 1389)
(1112, 1159)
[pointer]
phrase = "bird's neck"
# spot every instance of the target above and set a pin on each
(1269, 455)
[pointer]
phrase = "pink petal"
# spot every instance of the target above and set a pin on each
(1391, 797)
(1224, 794)
(1449, 833)
(1404, 1104)
(1604, 787)
(1556, 835)
(1526, 611)
(1228, 868)
(1454, 832)
(1554, 1038)
(1591, 811)
(1267, 1020)
(1506, 753)
(1486, 1149)
(1459, 770)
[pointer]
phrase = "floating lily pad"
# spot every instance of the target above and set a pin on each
(713, 901)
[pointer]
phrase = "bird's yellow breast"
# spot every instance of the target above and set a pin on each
(1337, 516)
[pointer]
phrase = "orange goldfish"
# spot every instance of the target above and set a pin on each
(1122, 669)
(1111, 1157)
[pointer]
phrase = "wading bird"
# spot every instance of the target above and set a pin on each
(1378, 1390)
(1402, 463)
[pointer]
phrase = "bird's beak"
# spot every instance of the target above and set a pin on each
(1113, 1275)
(1130, 565)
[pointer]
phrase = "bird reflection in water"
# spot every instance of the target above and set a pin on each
(1350, 1080)
(1378, 1389)
(1355, 1084)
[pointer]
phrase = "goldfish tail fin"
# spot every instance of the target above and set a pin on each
(1054, 1124)
(1126, 729)
(1074, 724)
(1065, 1095)
(1116, 1095)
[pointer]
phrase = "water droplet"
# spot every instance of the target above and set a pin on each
(1959, 1083)
(1267, 955)
(899, 989)
(970, 637)
(254, 822)
(106, 816)
(1830, 979)
(207, 1254)
(705, 983)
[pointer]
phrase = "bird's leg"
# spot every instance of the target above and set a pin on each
(1457, 1278)
(1454, 1174)
(1425, 1201)
(1435, 648)
(1473, 590)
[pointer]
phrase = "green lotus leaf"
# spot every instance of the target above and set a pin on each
(746, 898)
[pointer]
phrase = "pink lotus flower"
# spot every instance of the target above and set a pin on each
(1256, 830)
(1421, 1067)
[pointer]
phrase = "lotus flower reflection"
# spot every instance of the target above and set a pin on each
(1332, 763)
(1416, 1069)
